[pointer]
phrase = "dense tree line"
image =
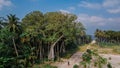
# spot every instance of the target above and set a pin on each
(108, 36)
(38, 37)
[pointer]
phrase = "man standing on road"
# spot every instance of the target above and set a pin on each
(68, 63)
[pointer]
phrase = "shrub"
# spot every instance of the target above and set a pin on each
(75, 66)
(48, 66)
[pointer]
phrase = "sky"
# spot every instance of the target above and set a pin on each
(93, 14)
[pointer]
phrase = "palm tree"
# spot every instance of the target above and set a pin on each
(13, 23)
(1, 26)
(13, 27)
(97, 35)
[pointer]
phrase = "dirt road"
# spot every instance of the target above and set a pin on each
(76, 58)
(115, 60)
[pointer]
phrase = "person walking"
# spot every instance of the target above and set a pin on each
(68, 63)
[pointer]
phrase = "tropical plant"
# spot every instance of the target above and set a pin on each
(92, 59)
(38, 37)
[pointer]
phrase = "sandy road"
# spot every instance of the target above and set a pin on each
(75, 59)
(115, 60)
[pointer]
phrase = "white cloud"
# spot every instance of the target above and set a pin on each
(88, 20)
(114, 11)
(4, 3)
(91, 20)
(111, 3)
(111, 6)
(64, 11)
(89, 5)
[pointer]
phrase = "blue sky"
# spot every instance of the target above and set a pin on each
(102, 14)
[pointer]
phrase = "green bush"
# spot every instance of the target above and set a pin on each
(75, 66)
(48, 66)
(109, 65)
(89, 56)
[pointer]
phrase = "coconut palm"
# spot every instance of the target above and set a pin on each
(13, 27)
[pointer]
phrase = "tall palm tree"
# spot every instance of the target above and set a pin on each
(13, 27)
(1, 26)
(13, 23)
(97, 34)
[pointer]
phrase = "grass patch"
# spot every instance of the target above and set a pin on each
(48, 66)
(44, 66)
(83, 48)
(116, 49)
(104, 49)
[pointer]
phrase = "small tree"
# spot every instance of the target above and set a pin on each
(91, 57)
(75, 66)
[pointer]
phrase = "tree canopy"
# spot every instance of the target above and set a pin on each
(37, 37)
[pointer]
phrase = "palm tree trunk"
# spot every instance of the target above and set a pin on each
(15, 47)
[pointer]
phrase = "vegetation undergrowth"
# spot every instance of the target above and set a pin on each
(91, 59)
(44, 66)
(69, 53)
(103, 49)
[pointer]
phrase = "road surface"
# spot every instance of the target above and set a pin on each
(76, 58)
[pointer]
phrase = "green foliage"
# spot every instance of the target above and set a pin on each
(109, 65)
(69, 53)
(108, 36)
(28, 42)
(75, 66)
(33, 21)
(90, 57)
(48, 66)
